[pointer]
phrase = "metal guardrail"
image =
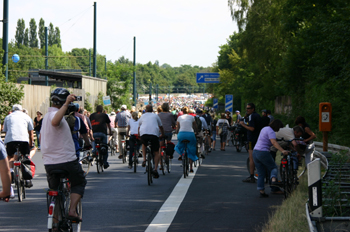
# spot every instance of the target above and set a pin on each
(332, 148)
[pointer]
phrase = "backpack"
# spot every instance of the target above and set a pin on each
(70, 118)
(199, 123)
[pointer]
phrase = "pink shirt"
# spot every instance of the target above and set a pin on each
(57, 144)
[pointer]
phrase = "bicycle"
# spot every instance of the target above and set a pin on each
(289, 168)
(165, 160)
(185, 161)
(237, 138)
(111, 144)
(135, 154)
(206, 140)
(87, 160)
(19, 181)
(58, 203)
(149, 163)
(122, 149)
(98, 154)
(198, 153)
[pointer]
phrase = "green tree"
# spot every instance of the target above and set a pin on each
(42, 33)
(51, 35)
(9, 95)
(19, 37)
(57, 37)
(33, 40)
(26, 38)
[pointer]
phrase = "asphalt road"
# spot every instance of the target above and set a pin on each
(121, 200)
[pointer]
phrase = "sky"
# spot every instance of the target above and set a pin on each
(175, 32)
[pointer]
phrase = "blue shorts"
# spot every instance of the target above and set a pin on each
(214, 135)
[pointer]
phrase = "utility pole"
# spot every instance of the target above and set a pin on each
(90, 62)
(157, 92)
(5, 37)
(95, 33)
(134, 73)
(46, 57)
(150, 93)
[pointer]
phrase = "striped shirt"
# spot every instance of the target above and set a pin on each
(122, 118)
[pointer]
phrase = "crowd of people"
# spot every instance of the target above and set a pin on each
(67, 128)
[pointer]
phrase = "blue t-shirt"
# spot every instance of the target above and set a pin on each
(264, 142)
(3, 153)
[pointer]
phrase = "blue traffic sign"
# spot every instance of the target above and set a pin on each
(228, 102)
(215, 103)
(208, 78)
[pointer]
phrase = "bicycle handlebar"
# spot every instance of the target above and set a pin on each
(282, 139)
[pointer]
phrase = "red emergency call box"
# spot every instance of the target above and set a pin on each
(325, 116)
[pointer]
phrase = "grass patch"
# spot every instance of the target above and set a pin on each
(291, 215)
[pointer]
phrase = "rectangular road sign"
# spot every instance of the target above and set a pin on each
(215, 103)
(228, 102)
(106, 101)
(208, 78)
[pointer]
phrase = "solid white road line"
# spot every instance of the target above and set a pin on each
(167, 212)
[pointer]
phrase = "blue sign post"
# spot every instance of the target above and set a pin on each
(228, 102)
(208, 78)
(215, 103)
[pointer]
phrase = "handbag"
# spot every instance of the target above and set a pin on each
(28, 169)
(220, 131)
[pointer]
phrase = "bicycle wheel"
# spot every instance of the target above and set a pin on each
(86, 163)
(124, 153)
(99, 163)
(57, 214)
(162, 163)
(184, 164)
(149, 169)
(19, 183)
(135, 160)
(187, 165)
(112, 146)
(284, 176)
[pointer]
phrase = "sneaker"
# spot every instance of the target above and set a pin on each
(120, 156)
(28, 184)
(130, 167)
(105, 166)
(180, 157)
(144, 164)
(191, 170)
(209, 150)
(249, 180)
(155, 174)
(12, 194)
(140, 155)
(202, 156)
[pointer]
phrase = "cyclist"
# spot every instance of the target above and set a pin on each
(239, 117)
(100, 123)
(114, 133)
(209, 121)
(200, 130)
(5, 174)
(213, 130)
(185, 127)
(121, 122)
(133, 126)
(230, 121)
(168, 122)
(223, 124)
(253, 129)
(149, 126)
(58, 149)
(37, 126)
(17, 127)
(308, 137)
(262, 157)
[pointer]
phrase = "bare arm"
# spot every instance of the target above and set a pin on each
(31, 137)
(5, 178)
(177, 127)
(161, 130)
(312, 134)
(62, 111)
(247, 127)
(276, 145)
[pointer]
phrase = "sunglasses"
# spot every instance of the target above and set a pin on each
(248, 108)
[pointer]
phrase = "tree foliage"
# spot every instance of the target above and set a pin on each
(290, 48)
(33, 38)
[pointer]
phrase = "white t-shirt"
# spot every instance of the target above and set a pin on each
(186, 122)
(56, 144)
(134, 126)
(285, 133)
(149, 124)
(16, 126)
